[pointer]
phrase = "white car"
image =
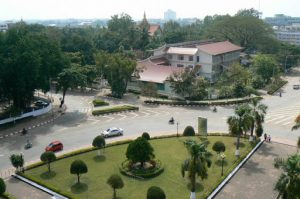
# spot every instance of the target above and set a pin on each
(112, 132)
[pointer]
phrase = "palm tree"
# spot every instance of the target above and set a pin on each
(197, 164)
(258, 112)
(240, 123)
(288, 184)
(297, 123)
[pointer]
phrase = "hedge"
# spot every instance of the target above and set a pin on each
(115, 109)
(99, 102)
(201, 103)
(272, 88)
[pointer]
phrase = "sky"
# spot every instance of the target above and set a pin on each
(89, 9)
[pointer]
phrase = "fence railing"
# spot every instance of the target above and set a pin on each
(28, 114)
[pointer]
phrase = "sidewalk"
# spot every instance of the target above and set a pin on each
(257, 177)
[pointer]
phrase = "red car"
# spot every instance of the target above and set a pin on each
(55, 146)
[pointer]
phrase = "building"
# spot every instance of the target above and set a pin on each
(153, 29)
(289, 34)
(170, 15)
(3, 27)
(212, 58)
(282, 20)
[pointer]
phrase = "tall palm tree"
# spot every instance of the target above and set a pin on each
(240, 123)
(196, 164)
(258, 112)
(288, 184)
(297, 123)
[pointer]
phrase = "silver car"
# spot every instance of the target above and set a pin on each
(112, 132)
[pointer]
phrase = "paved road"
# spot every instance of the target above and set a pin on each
(257, 177)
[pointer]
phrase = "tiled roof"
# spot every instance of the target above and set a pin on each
(151, 72)
(219, 48)
(182, 51)
(153, 28)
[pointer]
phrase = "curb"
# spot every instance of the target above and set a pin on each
(32, 126)
(115, 113)
(228, 178)
(46, 190)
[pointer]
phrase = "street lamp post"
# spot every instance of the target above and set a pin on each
(177, 127)
(222, 158)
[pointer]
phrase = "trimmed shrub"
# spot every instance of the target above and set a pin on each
(115, 109)
(155, 192)
(146, 136)
(99, 102)
(2, 186)
(219, 147)
(189, 131)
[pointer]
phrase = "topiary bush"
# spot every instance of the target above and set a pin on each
(146, 136)
(2, 186)
(189, 131)
(155, 192)
(99, 102)
(219, 147)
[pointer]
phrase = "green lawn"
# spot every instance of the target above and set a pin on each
(170, 151)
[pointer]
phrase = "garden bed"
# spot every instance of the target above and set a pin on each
(99, 102)
(170, 151)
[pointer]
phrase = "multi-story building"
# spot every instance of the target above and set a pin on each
(282, 20)
(211, 58)
(289, 34)
(170, 15)
(3, 27)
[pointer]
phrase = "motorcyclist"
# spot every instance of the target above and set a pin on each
(171, 120)
(215, 109)
(24, 131)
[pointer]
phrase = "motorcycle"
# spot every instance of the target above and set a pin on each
(171, 121)
(28, 145)
(215, 109)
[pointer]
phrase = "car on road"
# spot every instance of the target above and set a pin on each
(54, 146)
(112, 132)
(40, 103)
(296, 87)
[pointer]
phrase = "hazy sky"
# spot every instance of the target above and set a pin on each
(58, 9)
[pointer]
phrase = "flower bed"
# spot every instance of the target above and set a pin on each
(115, 109)
(99, 102)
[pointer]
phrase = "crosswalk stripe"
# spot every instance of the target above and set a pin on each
(283, 120)
(274, 118)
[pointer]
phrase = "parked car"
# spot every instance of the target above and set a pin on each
(112, 132)
(40, 103)
(296, 87)
(54, 146)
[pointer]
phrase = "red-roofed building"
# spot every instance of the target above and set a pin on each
(212, 57)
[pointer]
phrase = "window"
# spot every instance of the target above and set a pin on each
(179, 65)
(191, 58)
(170, 56)
(180, 57)
(160, 87)
(198, 58)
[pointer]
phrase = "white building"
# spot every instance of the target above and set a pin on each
(212, 58)
(170, 15)
(3, 27)
(289, 34)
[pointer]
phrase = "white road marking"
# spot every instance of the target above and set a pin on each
(134, 115)
(122, 117)
(146, 114)
(288, 123)
(274, 118)
(109, 118)
(283, 120)
(156, 113)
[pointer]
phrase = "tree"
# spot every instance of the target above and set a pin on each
(288, 184)
(248, 13)
(99, 142)
(297, 123)
(140, 150)
(70, 78)
(298, 144)
(219, 147)
(78, 167)
(266, 67)
(48, 157)
(2, 186)
(146, 136)
(155, 192)
(17, 161)
(149, 90)
(188, 85)
(240, 123)
(116, 182)
(196, 164)
(258, 112)
(189, 131)
(117, 69)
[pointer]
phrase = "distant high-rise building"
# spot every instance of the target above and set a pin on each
(170, 15)
(282, 20)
